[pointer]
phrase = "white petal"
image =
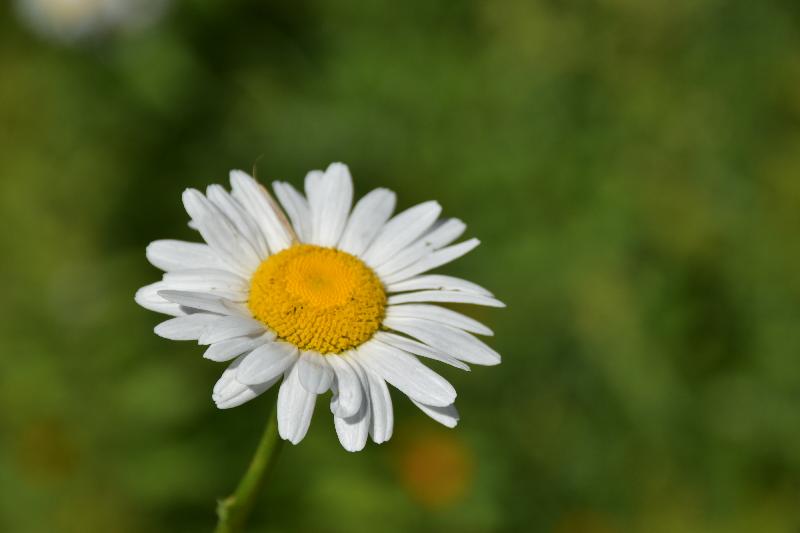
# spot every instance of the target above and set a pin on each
(149, 298)
(432, 260)
(240, 218)
(296, 206)
(441, 234)
(255, 199)
(437, 282)
(438, 314)
(220, 233)
(315, 373)
(447, 415)
(330, 198)
(452, 341)
(228, 349)
(368, 217)
(228, 392)
(445, 296)
(266, 362)
(222, 283)
(353, 431)
(229, 327)
(348, 394)
(227, 385)
(175, 255)
(295, 408)
(185, 328)
(247, 394)
(312, 182)
(400, 231)
(417, 348)
(444, 232)
(204, 302)
(382, 421)
(215, 277)
(405, 372)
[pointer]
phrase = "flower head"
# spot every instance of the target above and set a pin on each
(327, 299)
(73, 20)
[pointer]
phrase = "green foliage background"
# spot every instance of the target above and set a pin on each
(632, 168)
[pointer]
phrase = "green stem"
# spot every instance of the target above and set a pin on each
(234, 510)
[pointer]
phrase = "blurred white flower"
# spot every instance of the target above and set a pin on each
(75, 20)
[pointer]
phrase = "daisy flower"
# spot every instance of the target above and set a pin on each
(73, 20)
(330, 298)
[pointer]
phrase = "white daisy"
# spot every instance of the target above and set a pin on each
(332, 298)
(73, 20)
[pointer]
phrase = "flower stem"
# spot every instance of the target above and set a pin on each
(234, 510)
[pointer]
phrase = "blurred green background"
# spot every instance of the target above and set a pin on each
(632, 168)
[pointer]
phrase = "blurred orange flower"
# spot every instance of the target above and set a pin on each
(436, 467)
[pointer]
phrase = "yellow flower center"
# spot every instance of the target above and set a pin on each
(317, 298)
